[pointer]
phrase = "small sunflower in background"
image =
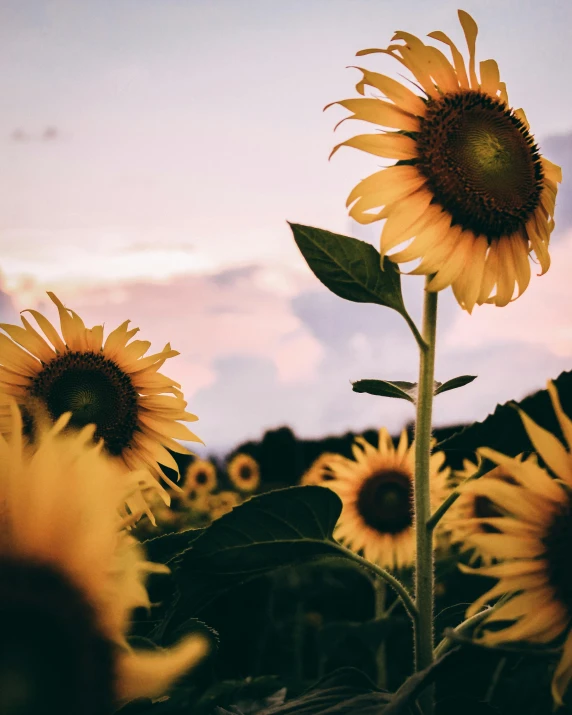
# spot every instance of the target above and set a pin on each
(244, 472)
(472, 516)
(221, 503)
(534, 542)
(319, 472)
(136, 409)
(469, 186)
(200, 476)
(70, 577)
(376, 489)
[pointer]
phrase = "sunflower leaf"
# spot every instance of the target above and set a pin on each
(268, 532)
(350, 268)
(385, 388)
(503, 429)
(453, 383)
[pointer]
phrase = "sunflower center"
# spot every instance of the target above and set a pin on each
(384, 502)
(201, 478)
(558, 542)
(95, 390)
(481, 163)
(53, 657)
(244, 473)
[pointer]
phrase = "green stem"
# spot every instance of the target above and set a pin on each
(379, 590)
(440, 512)
(424, 576)
(395, 584)
(463, 627)
(416, 334)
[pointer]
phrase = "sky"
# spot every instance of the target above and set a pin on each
(153, 150)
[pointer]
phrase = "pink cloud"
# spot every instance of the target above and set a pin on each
(232, 313)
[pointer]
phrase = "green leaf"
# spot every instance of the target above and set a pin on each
(503, 430)
(268, 532)
(454, 383)
(346, 690)
(350, 268)
(384, 388)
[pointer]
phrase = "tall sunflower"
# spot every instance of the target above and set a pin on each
(534, 541)
(244, 472)
(70, 577)
(108, 383)
(469, 185)
(376, 489)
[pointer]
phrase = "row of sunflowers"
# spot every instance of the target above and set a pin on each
(359, 564)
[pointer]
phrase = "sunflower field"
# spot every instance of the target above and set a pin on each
(426, 572)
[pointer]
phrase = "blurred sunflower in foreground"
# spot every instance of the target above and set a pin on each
(534, 541)
(376, 489)
(469, 186)
(70, 577)
(244, 472)
(109, 384)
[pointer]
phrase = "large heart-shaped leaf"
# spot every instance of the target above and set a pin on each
(350, 268)
(270, 531)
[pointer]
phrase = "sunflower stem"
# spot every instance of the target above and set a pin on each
(380, 593)
(416, 334)
(424, 576)
(396, 585)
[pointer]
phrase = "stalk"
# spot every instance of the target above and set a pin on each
(424, 577)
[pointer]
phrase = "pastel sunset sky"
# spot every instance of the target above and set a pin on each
(153, 150)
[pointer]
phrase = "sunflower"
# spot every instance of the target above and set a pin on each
(221, 503)
(109, 384)
(376, 489)
(70, 577)
(244, 472)
(469, 185)
(319, 472)
(200, 476)
(534, 540)
(468, 515)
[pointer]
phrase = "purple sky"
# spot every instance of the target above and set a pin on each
(153, 150)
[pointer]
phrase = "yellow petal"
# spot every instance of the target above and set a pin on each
(563, 420)
(490, 77)
(563, 672)
(149, 674)
(470, 29)
(49, 331)
(398, 93)
(391, 146)
(378, 112)
(489, 274)
(14, 358)
(549, 448)
(468, 284)
(458, 60)
(387, 186)
(506, 274)
(29, 339)
(454, 265)
(519, 248)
